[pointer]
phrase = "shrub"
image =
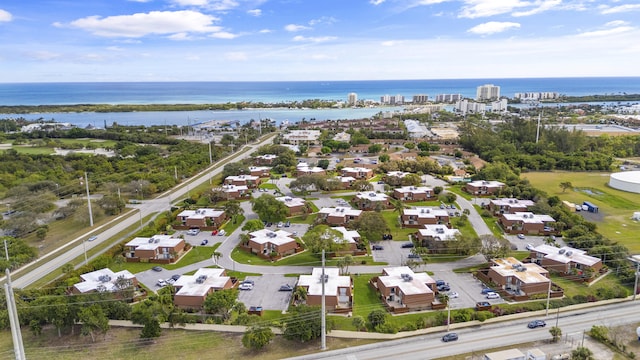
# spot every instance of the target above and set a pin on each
(387, 328)
(483, 315)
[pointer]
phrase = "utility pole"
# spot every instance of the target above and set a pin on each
(86, 180)
(635, 287)
(210, 156)
(548, 298)
(16, 333)
(538, 128)
(323, 321)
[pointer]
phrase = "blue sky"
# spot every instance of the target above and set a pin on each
(270, 40)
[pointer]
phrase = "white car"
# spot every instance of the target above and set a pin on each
(193, 232)
(493, 295)
(245, 286)
(161, 283)
(530, 247)
(222, 233)
(453, 295)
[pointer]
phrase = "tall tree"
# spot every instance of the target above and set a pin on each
(270, 209)
(371, 225)
(232, 208)
(256, 337)
(302, 331)
(93, 321)
(221, 302)
(323, 237)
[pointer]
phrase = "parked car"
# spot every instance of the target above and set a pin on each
(204, 242)
(529, 247)
(444, 287)
(536, 323)
(156, 268)
(170, 281)
(247, 281)
(222, 233)
(286, 287)
(453, 295)
(92, 238)
(414, 256)
(175, 277)
(214, 232)
(161, 283)
(245, 286)
(377, 247)
(521, 236)
(487, 290)
(193, 232)
(280, 224)
(268, 224)
(287, 224)
(450, 337)
(493, 295)
(407, 245)
(440, 282)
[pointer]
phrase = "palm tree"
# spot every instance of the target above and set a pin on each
(216, 256)
(232, 208)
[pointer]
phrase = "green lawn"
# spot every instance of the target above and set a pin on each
(231, 226)
(304, 258)
(303, 219)
(616, 207)
(399, 233)
(268, 186)
(365, 298)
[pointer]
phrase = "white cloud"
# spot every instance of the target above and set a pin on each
(140, 1)
(115, 48)
(607, 32)
(376, 2)
(180, 36)
(322, 57)
(192, 57)
(493, 27)
(255, 12)
(483, 8)
(540, 8)
(323, 20)
(5, 16)
(43, 55)
(143, 24)
(217, 5)
(616, 23)
(390, 43)
(619, 9)
(265, 31)
(296, 27)
(318, 39)
(224, 35)
(236, 56)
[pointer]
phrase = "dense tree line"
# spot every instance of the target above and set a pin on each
(514, 142)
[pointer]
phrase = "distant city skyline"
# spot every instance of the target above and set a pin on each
(278, 40)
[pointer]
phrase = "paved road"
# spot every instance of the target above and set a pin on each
(489, 336)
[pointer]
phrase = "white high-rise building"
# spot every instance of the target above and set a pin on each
(352, 99)
(465, 106)
(488, 92)
(448, 98)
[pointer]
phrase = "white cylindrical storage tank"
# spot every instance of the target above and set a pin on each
(626, 181)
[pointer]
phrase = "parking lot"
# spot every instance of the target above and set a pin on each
(266, 292)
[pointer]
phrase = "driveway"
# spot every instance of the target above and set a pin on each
(266, 292)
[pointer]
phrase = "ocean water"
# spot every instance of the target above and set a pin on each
(270, 92)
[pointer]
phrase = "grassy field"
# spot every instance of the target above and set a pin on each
(616, 207)
(125, 343)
